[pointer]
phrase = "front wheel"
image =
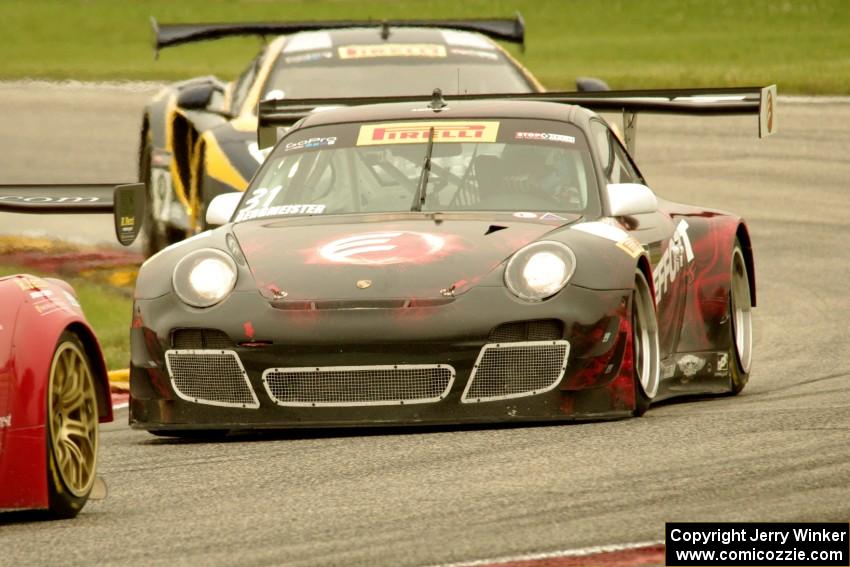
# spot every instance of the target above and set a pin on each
(645, 345)
(72, 428)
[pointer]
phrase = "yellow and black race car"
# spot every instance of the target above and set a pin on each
(198, 137)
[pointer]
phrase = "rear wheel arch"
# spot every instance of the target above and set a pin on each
(743, 236)
(644, 266)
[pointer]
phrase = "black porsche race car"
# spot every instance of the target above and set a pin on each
(198, 137)
(473, 259)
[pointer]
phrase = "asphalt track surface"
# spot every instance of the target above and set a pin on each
(778, 452)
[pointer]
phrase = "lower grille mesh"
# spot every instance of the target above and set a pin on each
(213, 377)
(521, 331)
(513, 370)
(200, 339)
(359, 385)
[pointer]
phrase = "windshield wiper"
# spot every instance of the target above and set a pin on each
(419, 196)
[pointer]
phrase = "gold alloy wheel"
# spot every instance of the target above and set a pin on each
(72, 414)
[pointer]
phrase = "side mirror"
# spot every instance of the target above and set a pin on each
(128, 210)
(222, 208)
(196, 97)
(591, 84)
(626, 199)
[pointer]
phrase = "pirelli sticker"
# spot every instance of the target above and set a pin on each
(368, 51)
(417, 132)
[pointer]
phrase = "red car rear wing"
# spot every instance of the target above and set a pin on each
(760, 101)
(125, 202)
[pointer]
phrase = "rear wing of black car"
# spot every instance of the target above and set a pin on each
(761, 101)
(125, 202)
(167, 35)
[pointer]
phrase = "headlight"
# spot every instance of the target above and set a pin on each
(540, 270)
(204, 277)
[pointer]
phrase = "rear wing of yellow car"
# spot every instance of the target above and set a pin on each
(167, 35)
(761, 101)
(125, 202)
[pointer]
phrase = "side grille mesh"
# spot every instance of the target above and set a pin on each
(513, 370)
(200, 339)
(359, 385)
(521, 331)
(213, 377)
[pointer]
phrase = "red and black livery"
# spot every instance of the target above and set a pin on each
(474, 259)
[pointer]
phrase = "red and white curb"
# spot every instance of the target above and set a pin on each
(120, 400)
(119, 385)
(616, 555)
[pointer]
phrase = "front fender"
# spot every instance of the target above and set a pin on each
(44, 310)
(154, 277)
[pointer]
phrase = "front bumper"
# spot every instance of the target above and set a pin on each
(595, 381)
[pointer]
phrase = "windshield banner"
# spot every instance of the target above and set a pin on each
(417, 132)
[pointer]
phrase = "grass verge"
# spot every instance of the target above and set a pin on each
(103, 280)
(802, 45)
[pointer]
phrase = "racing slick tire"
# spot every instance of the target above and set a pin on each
(741, 322)
(157, 234)
(646, 351)
(72, 428)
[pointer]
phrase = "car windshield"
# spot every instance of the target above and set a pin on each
(526, 167)
(396, 69)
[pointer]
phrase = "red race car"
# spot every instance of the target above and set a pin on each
(53, 383)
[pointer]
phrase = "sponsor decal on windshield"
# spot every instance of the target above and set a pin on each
(545, 136)
(280, 210)
(310, 143)
(308, 57)
(465, 39)
(417, 132)
(475, 53)
(368, 51)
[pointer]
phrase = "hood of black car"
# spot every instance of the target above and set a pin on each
(383, 256)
